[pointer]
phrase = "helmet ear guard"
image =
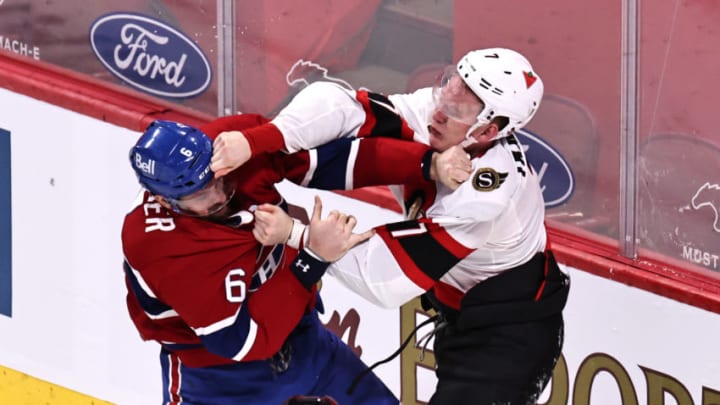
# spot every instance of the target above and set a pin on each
(507, 85)
(172, 160)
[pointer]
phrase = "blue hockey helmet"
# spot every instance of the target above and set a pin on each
(172, 160)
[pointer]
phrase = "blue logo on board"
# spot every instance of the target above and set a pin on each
(5, 226)
(150, 55)
(556, 177)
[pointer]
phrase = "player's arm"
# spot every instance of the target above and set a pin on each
(321, 112)
(347, 164)
(401, 261)
(324, 111)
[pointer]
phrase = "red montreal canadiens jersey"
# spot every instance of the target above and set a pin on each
(210, 292)
(491, 223)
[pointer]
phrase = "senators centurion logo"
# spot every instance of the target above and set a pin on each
(487, 179)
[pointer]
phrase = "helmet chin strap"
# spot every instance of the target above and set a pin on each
(468, 142)
(469, 139)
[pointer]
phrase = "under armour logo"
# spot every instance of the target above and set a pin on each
(304, 267)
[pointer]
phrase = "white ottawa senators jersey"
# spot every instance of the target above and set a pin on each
(492, 222)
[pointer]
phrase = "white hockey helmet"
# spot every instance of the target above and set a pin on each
(506, 83)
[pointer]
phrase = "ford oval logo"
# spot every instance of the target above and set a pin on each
(150, 55)
(556, 177)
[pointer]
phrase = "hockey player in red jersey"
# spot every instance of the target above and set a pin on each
(476, 249)
(237, 321)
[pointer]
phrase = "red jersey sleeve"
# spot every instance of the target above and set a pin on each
(346, 164)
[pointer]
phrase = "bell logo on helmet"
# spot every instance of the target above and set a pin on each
(147, 167)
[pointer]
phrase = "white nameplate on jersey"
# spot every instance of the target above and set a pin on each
(487, 179)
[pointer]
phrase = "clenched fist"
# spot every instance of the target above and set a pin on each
(451, 167)
(230, 150)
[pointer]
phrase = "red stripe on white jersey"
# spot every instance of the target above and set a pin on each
(370, 121)
(407, 265)
(446, 240)
(448, 295)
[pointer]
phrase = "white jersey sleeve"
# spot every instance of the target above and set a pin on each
(359, 271)
(401, 261)
(320, 113)
(324, 111)
(416, 108)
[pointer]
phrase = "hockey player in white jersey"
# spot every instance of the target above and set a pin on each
(475, 246)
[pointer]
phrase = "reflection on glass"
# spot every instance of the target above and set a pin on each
(679, 203)
(679, 159)
(167, 49)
